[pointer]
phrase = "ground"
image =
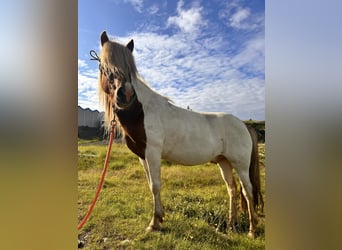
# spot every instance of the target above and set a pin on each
(195, 199)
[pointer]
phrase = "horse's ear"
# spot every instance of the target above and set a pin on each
(104, 37)
(130, 45)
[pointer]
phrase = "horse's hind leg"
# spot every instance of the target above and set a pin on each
(247, 191)
(227, 175)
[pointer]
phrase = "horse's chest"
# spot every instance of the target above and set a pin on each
(132, 121)
(136, 141)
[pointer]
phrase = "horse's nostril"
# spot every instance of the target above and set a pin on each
(121, 93)
(111, 78)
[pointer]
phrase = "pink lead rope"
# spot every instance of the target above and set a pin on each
(111, 137)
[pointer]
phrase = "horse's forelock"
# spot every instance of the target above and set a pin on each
(117, 55)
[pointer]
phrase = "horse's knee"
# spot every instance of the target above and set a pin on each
(155, 187)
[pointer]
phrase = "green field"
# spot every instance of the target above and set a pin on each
(195, 199)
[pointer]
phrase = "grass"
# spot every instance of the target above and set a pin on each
(195, 199)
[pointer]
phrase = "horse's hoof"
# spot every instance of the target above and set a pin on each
(251, 235)
(151, 229)
(80, 244)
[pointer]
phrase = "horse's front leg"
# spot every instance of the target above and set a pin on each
(153, 158)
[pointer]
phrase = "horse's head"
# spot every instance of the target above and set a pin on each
(117, 67)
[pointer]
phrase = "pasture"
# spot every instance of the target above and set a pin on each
(195, 219)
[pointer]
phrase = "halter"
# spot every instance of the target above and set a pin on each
(112, 74)
(109, 73)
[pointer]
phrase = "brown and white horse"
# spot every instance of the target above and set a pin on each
(154, 128)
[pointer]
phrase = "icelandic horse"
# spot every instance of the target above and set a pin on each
(156, 129)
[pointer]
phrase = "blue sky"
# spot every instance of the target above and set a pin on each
(208, 55)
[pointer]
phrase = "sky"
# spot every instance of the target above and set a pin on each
(208, 55)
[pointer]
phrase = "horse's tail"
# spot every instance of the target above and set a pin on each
(254, 175)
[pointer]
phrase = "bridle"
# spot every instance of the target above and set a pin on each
(109, 73)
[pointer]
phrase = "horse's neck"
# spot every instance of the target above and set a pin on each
(145, 94)
(135, 113)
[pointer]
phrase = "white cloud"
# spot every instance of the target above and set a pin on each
(81, 63)
(252, 55)
(153, 9)
(239, 17)
(87, 86)
(137, 4)
(187, 21)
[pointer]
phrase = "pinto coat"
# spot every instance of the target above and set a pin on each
(155, 128)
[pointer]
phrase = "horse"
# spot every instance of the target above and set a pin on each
(154, 129)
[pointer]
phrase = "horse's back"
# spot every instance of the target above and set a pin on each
(193, 138)
(227, 125)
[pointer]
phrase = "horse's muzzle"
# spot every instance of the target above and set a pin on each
(121, 100)
(120, 95)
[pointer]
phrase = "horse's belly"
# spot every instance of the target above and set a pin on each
(191, 154)
(188, 160)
